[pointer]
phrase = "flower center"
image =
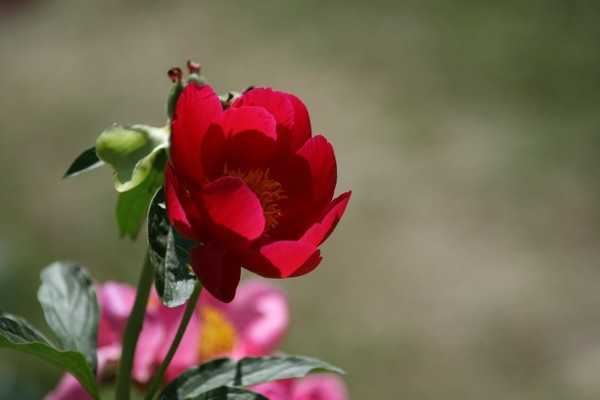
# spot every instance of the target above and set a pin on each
(218, 335)
(268, 191)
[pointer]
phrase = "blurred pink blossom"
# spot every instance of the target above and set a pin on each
(312, 387)
(253, 324)
(116, 302)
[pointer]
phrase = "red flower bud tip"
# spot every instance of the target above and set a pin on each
(175, 75)
(194, 67)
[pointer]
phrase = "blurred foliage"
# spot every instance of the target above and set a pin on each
(467, 264)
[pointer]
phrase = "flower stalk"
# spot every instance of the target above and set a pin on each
(187, 315)
(133, 329)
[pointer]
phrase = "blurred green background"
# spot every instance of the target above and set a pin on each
(467, 265)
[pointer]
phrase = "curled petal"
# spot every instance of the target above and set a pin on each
(196, 108)
(293, 122)
(321, 230)
(283, 259)
(235, 213)
(218, 271)
(234, 121)
(276, 103)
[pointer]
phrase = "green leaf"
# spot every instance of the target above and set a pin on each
(17, 334)
(68, 298)
(246, 372)
(254, 370)
(201, 379)
(169, 255)
(229, 393)
(131, 151)
(132, 205)
(86, 161)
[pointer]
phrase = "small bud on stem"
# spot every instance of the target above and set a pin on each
(175, 74)
(194, 67)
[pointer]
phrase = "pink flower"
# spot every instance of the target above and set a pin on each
(251, 325)
(254, 324)
(116, 301)
(312, 387)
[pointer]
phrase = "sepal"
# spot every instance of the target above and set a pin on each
(131, 151)
(86, 161)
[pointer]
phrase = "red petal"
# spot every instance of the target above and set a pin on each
(318, 153)
(212, 151)
(239, 138)
(293, 122)
(302, 130)
(217, 270)
(233, 121)
(181, 208)
(283, 259)
(320, 231)
(234, 211)
(277, 103)
(309, 183)
(196, 108)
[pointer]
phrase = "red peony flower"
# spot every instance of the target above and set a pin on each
(251, 184)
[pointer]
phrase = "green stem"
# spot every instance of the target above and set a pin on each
(189, 310)
(133, 329)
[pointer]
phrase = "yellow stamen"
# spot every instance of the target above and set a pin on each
(218, 335)
(268, 191)
(152, 304)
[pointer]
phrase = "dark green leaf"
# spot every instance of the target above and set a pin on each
(16, 333)
(169, 254)
(84, 162)
(229, 393)
(254, 370)
(68, 297)
(201, 379)
(132, 205)
(246, 372)
(131, 151)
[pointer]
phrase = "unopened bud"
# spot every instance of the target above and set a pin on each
(175, 74)
(194, 67)
(228, 99)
